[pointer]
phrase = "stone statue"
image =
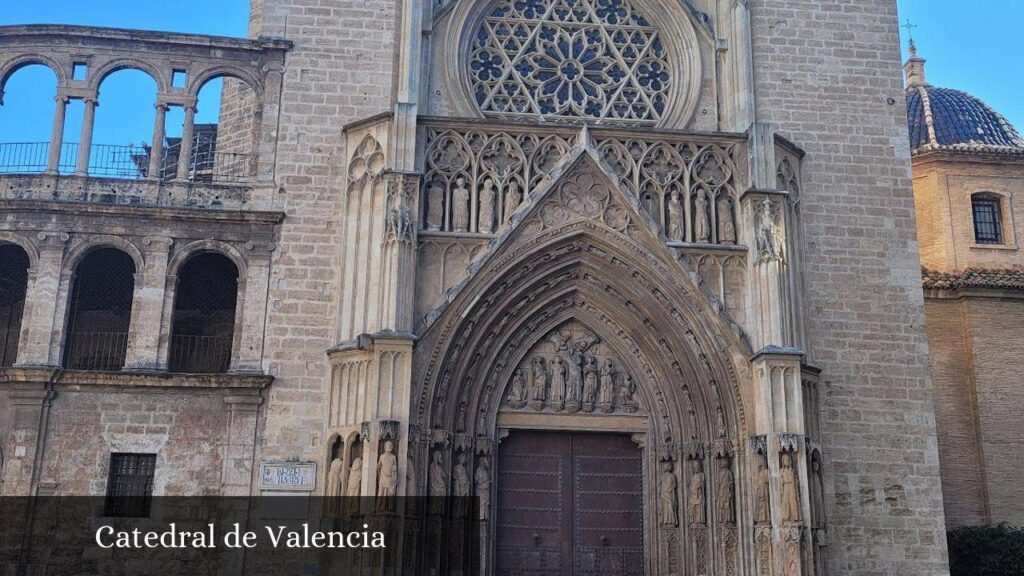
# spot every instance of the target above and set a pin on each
(460, 206)
(668, 503)
(512, 200)
(817, 494)
(354, 485)
(701, 228)
(334, 490)
(696, 495)
(460, 416)
(574, 380)
(557, 397)
(438, 483)
(726, 491)
(790, 495)
(589, 383)
(410, 478)
(726, 224)
(460, 484)
(539, 385)
(485, 218)
(675, 218)
(517, 392)
(627, 393)
(387, 478)
(483, 487)
(435, 207)
(769, 246)
(762, 504)
(606, 388)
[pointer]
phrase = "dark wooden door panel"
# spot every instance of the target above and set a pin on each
(569, 504)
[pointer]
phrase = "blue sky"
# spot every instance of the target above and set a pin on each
(969, 48)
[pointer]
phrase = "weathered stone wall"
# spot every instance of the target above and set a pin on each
(339, 71)
(827, 74)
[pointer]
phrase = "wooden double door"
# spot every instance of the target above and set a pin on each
(569, 504)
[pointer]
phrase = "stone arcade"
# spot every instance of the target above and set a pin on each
(640, 275)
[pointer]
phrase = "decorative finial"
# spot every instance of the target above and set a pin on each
(909, 27)
(914, 67)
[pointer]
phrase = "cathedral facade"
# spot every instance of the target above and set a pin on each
(642, 276)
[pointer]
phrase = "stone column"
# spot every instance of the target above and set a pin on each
(156, 151)
(185, 149)
(43, 316)
(29, 394)
(85, 142)
(238, 449)
(265, 122)
(57, 135)
(251, 310)
(147, 306)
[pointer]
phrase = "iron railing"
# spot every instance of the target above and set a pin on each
(128, 161)
(96, 350)
(200, 354)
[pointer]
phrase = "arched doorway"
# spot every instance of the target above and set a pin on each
(579, 377)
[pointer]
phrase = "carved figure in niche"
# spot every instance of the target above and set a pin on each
(387, 478)
(410, 477)
(334, 492)
(790, 496)
(726, 491)
(589, 383)
(512, 200)
(701, 227)
(649, 206)
(696, 494)
(460, 206)
(557, 399)
(460, 416)
(517, 391)
(483, 487)
(354, 485)
(762, 505)
(574, 382)
(438, 483)
(668, 502)
(627, 393)
(726, 224)
(817, 494)
(539, 385)
(460, 484)
(769, 236)
(435, 207)
(675, 218)
(606, 391)
(485, 218)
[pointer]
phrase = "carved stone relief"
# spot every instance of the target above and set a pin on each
(668, 499)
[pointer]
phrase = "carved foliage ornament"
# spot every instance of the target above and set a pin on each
(570, 59)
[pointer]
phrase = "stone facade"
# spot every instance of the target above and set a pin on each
(713, 253)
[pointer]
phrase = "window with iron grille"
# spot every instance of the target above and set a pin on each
(988, 219)
(13, 282)
(203, 324)
(130, 485)
(101, 310)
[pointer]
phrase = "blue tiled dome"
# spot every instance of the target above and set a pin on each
(945, 119)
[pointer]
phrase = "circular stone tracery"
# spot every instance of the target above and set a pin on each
(569, 58)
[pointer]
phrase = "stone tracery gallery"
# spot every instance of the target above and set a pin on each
(569, 257)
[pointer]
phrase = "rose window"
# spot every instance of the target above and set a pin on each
(569, 59)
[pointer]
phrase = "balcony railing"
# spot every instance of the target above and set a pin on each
(200, 354)
(128, 161)
(96, 350)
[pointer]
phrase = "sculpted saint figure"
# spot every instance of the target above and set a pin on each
(762, 510)
(460, 206)
(769, 240)
(438, 483)
(790, 496)
(335, 479)
(517, 393)
(512, 200)
(557, 398)
(539, 386)
(574, 380)
(435, 207)
(726, 225)
(696, 494)
(387, 478)
(701, 229)
(486, 216)
(354, 485)
(668, 504)
(606, 393)
(460, 484)
(817, 494)
(675, 218)
(483, 487)
(627, 391)
(726, 491)
(589, 383)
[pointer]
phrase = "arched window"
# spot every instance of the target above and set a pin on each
(100, 311)
(204, 315)
(988, 218)
(13, 283)
(597, 59)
